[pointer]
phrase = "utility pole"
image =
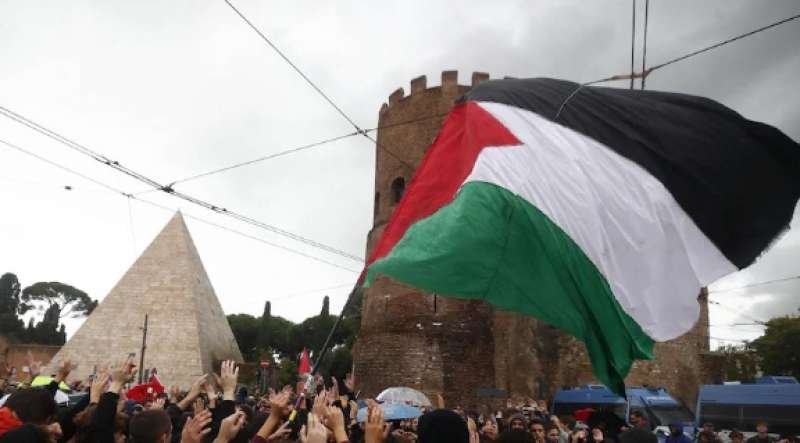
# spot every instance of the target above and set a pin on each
(144, 346)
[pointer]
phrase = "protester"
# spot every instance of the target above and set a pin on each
(537, 431)
(676, 434)
(217, 409)
(762, 436)
(736, 436)
(638, 420)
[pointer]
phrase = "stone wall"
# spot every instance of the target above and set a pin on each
(455, 347)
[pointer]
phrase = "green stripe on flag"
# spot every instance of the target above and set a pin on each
(490, 244)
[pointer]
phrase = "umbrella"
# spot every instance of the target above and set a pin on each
(392, 411)
(403, 395)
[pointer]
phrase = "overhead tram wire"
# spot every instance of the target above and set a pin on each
(644, 43)
(302, 148)
(717, 45)
(168, 189)
(290, 63)
(648, 71)
(633, 39)
(752, 285)
(272, 45)
(173, 210)
(64, 168)
(736, 311)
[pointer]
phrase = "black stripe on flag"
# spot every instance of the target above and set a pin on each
(739, 180)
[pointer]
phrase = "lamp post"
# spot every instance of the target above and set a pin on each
(144, 346)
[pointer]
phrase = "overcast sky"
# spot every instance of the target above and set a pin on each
(175, 88)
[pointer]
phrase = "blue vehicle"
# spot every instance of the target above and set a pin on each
(655, 403)
(740, 406)
(659, 407)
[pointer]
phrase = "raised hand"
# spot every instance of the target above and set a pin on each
(335, 421)
(229, 377)
(157, 404)
(63, 371)
(281, 432)
(194, 391)
(173, 393)
(121, 374)
(34, 365)
(320, 402)
(374, 429)
(314, 431)
(198, 406)
(230, 426)
(349, 382)
(278, 402)
(195, 428)
(98, 386)
(211, 391)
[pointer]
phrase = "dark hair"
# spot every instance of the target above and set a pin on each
(147, 426)
(442, 426)
(34, 405)
(638, 435)
(251, 428)
(637, 413)
(514, 436)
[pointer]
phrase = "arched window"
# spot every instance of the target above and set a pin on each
(398, 188)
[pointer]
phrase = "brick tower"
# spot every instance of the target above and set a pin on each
(456, 347)
(407, 337)
(187, 330)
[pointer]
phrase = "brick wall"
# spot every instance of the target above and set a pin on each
(14, 355)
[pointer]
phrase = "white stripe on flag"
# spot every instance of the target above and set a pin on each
(652, 254)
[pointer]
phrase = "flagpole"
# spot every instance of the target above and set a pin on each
(323, 350)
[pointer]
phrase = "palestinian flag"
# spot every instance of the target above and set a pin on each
(605, 221)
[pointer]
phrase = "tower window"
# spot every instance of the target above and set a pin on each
(377, 206)
(398, 188)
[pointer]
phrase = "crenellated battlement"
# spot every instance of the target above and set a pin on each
(419, 86)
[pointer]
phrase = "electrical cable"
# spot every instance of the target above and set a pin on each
(173, 210)
(633, 39)
(287, 60)
(168, 188)
(314, 86)
(648, 71)
(644, 44)
(752, 285)
(722, 43)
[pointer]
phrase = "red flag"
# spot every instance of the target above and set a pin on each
(154, 381)
(145, 392)
(305, 366)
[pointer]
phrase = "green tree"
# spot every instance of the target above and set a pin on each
(64, 300)
(11, 307)
(326, 306)
(739, 363)
(778, 349)
(245, 330)
(47, 331)
(286, 372)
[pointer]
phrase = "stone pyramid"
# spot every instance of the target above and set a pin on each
(187, 331)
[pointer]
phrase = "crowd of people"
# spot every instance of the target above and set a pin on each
(214, 409)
